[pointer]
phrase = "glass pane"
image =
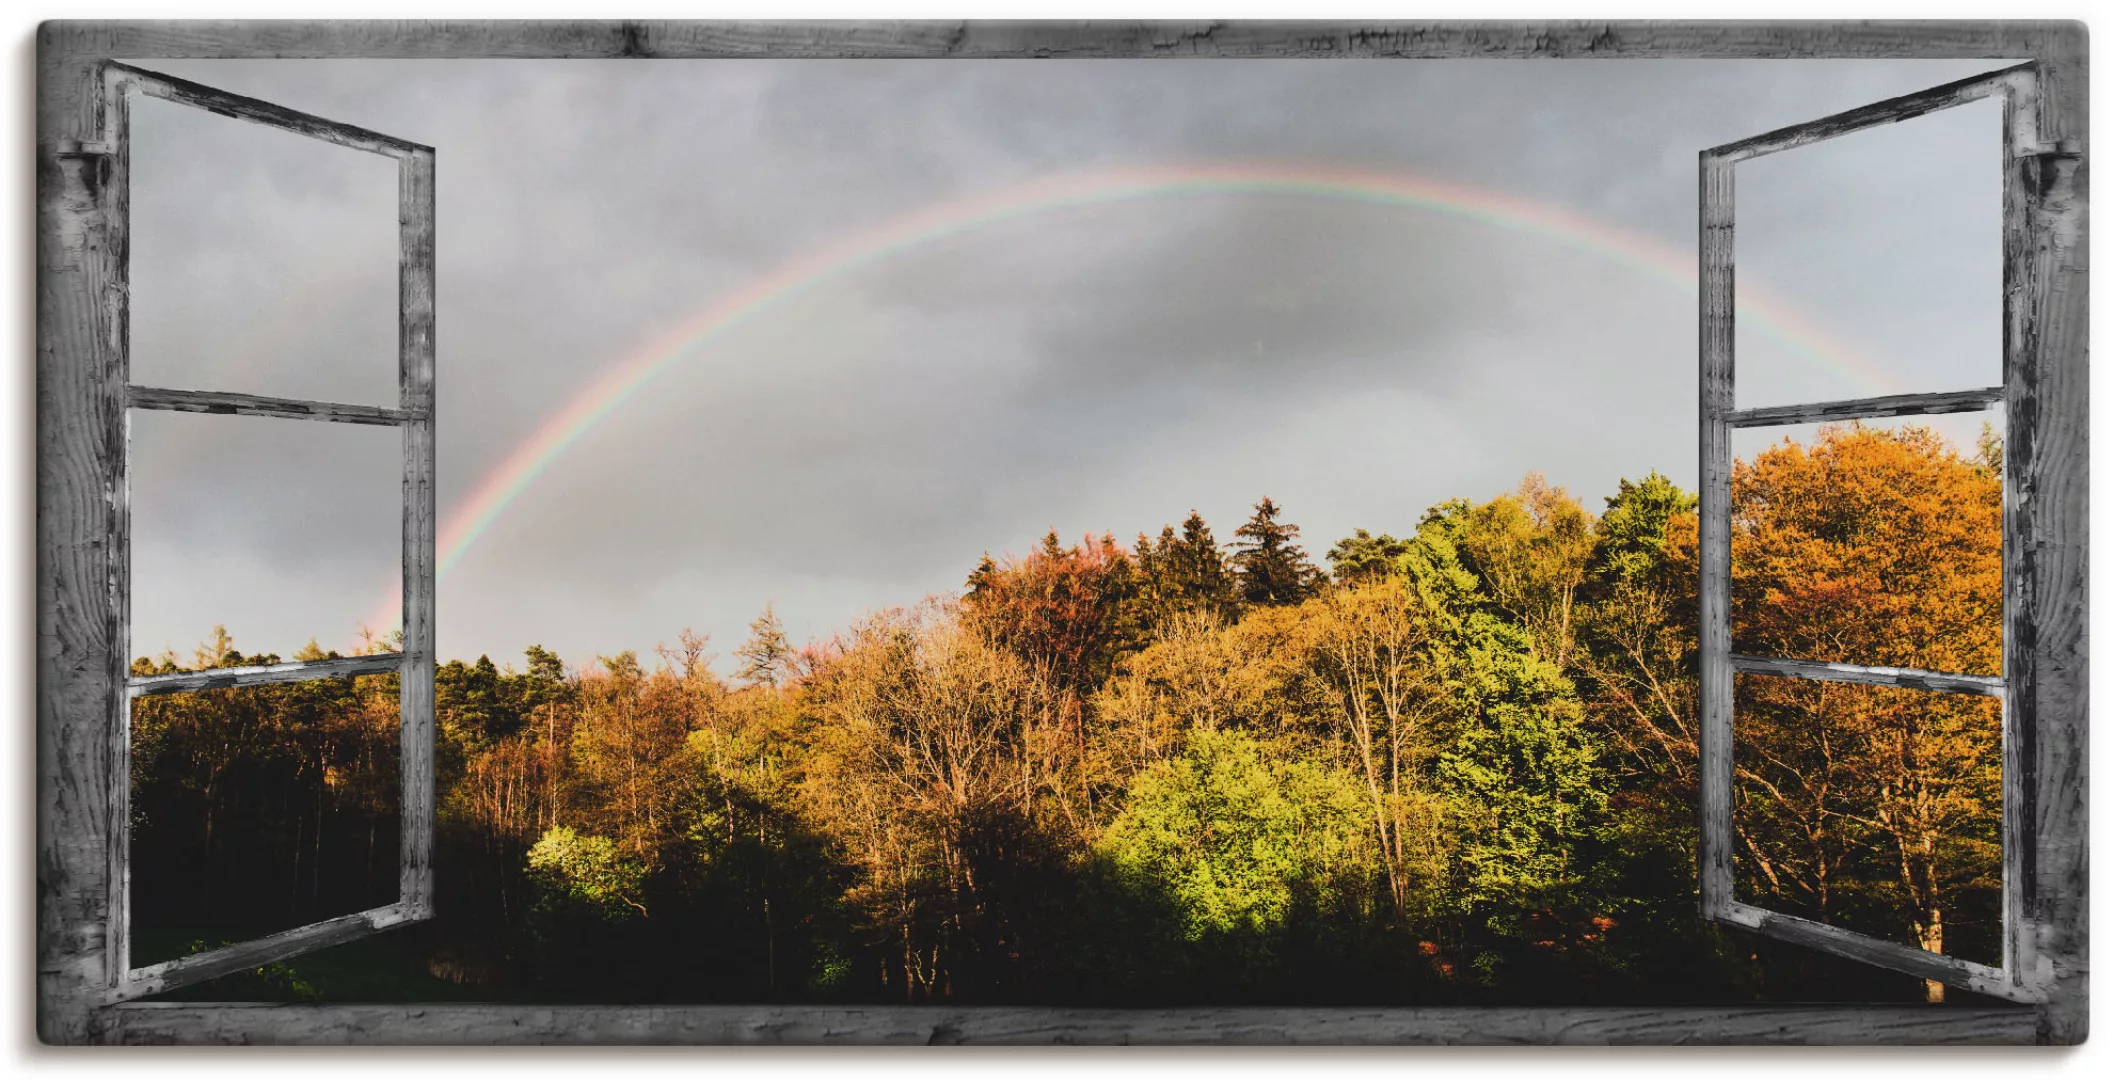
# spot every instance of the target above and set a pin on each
(284, 532)
(1872, 808)
(263, 262)
(1870, 543)
(1872, 263)
(260, 809)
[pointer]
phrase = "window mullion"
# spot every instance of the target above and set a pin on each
(257, 952)
(1714, 863)
(1873, 408)
(336, 667)
(1943, 682)
(415, 398)
(233, 404)
(413, 413)
(2018, 89)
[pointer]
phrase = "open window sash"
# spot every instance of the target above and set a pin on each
(2030, 219)
(413, 414)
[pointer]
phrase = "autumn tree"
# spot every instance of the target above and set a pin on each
(625, 754)
(940, 750)
(258, 808)
(1374, 650)
(1467, 755)
(1201, 675)
(1870, 546)
(1066, 610)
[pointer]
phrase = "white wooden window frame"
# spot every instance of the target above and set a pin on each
(83, 678)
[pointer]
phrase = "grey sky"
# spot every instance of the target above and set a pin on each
(1103, 368)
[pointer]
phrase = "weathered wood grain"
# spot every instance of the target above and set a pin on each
(146, 1022)
(416, 344)
(99, 155)
(1401, 39)
(232, 404)
(263, 674)
(80, 440)
(2032, 145)
(1714, 696)
(2020, 826)
(117, 197)
(81, 651)
(1871, 408)
(1876, 114)
(1944, 682)
(2046, 456)
(1906, 959)
(235, 106)
(243, 955)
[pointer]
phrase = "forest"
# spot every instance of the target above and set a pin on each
(1455, 765)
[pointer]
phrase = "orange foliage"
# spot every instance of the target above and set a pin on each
(1870, 547)
(1856, 803)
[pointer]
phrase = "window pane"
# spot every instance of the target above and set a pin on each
(285, 532)
(1872, 808)
(392, 966)
(1872, 263)
(1872, 543)
(260, 809)
(263, 262)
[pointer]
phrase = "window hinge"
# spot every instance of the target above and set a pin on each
(80, 148)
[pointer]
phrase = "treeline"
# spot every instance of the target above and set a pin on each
(1456, 765)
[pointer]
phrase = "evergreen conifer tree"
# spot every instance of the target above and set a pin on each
(767, 656)
(1272, 568)
(983, 579)
(1197, 567)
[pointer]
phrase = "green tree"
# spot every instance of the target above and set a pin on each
(545, 665)
(589, 871)
(1529, 548)
(1364, 556)
(471, 702)
(1630, 537)
(1637, 627)
(1237, 833)
(1526, 764)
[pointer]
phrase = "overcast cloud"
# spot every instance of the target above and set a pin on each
(1102, 368)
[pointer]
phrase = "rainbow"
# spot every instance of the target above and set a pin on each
(1642, 254)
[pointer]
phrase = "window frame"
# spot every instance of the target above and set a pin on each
(82, 399)
(110, 156)
(2026, 213)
